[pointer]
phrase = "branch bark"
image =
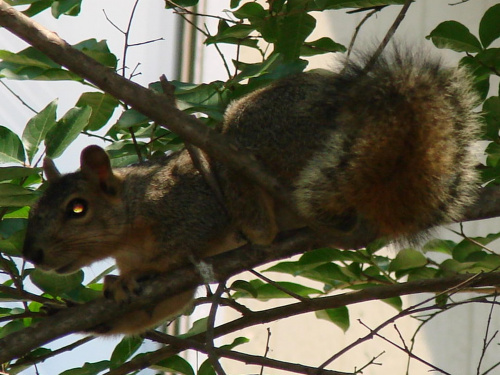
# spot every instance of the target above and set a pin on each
(349, 298)
(84, 317)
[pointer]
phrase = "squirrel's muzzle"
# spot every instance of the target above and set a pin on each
(32, 252)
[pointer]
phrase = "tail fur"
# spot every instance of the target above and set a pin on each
(401, 157)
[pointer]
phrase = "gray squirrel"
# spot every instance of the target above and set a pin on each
(390, 146)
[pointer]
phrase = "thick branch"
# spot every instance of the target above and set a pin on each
(91, 314)
(183, 344)
(368, 294)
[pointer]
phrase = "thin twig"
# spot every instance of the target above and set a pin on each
(183, 344)
(371, 362)
(487, 342)
(223, 58)
(405, 350)
(358, 28)
(266, 352)
(23, 102)
(279, 287)
(388, 36)
(209, 343)
(23, 362)
(405, 312)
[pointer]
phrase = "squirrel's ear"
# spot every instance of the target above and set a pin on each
(50, 170)
(95, 165)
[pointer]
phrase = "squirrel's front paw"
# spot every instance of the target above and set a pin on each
(121, 288)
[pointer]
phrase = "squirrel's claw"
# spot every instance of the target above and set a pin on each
(121, 288)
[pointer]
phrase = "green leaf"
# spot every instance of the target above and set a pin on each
(489, 27)
(17, 213)
(88, 369)
(124, 350)
(82, 294)
(206, 368)
(493, 155)
(198, 326)
(238, 31)
(236, 342)
(11, 327)
(490, 58)
(329, 273)
(13, 244)
(67, 7)
(338, 316)
(480, 73)
(67, 130)
(124, 153)
(245, 287)
(422, 273)
(292, 32)
(174, 364)
(491, 115)
(234, 3)
(28, 57)
(439, 246)
(455, 36)
(324, 255)
(99, 51)
(255, 70)
(103, 106)
(37, 7)
(343, 4)
(11, 226)
(407, 259)
(490, 262)
(56, 284)
(395, 302)
(12, 195)
(182, 3)
(452, 267)
(250, 10)
(268, 291)
(38, 127)
(321, 46)
(34, 65)
(12, 173)
(10, 267)
(131, 118)
(465, 248)
(11, 147)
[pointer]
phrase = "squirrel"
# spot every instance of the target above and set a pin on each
(390, 147)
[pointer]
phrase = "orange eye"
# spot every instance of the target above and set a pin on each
(76, 208)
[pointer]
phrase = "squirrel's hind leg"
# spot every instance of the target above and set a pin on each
(250, 207)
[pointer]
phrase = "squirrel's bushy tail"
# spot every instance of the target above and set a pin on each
(401, 158)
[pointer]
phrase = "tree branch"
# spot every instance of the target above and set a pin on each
(152, 104)
(84, 317)
(266, 316)
(183, 344)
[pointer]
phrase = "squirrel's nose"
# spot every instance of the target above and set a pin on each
(32, 253)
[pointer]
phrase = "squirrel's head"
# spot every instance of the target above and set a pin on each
(79, 219)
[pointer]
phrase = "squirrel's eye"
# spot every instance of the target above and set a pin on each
(76, 208)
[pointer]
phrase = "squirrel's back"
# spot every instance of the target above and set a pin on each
(391, 146)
